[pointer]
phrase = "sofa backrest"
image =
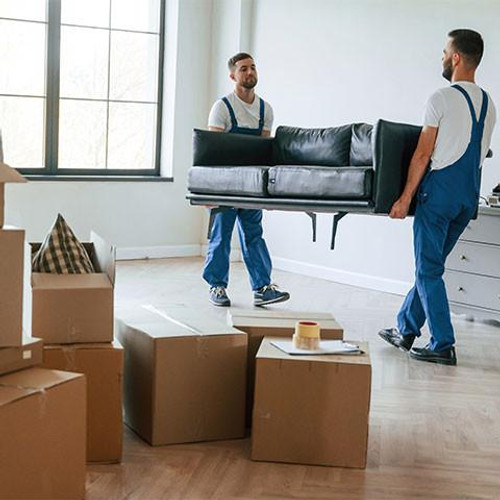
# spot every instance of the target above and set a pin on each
(327, 147)
(219, 149)
(361, 152)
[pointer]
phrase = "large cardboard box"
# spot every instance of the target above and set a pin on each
(184, 376)
(11, 286)
(74, 308)
(102, 365)
(42, 435)
(311, 409)
(16, 358)
(7, 174)
(260, 323)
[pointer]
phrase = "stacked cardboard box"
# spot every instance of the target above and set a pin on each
(184, 376)
(260, 323)
(311, 409)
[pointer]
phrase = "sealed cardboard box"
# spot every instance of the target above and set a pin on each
(42, 435)
(11, 286)
(74, 308)
(7, 174)
(102, 365)
(260, 323)
(311, 409)
(16, 358)
(184, 377)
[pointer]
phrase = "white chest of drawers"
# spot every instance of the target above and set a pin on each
(472, 274)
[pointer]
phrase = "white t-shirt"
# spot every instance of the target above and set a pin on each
(247, 115)
(448, 110)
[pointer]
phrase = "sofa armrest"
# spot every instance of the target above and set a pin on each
(393, 147)
(220, 149)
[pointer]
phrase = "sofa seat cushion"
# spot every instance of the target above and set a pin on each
(230, 180)
(325, 183)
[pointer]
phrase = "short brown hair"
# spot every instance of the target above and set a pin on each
(238, 57)
(469, 43)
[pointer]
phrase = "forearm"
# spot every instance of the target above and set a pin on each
(416, 171)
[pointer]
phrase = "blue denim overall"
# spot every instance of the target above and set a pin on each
(253, 246)
(446, 201)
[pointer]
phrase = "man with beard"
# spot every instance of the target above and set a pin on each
(241, 112)
(458, 125)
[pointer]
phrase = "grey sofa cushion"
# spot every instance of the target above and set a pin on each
(218, 148)
(312, 146)
(326, 183)
(229, 180)
(361, 145)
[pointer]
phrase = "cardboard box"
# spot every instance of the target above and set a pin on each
(11, 286)
(102, 365)
(311, 409)
(42, 435)
(7, 174)
(260, 323)
(74, 308)
(184, 376)
(16, 358)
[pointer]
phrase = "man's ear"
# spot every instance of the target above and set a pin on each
(456, 58)
(231, 75)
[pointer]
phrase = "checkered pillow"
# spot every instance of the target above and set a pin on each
(61, 252)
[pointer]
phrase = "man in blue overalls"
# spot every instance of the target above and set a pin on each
(455, 138)
(241, 112)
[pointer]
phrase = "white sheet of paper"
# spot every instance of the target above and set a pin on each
(325, 347)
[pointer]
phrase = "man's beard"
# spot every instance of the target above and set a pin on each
(250, 84)
(448, 71)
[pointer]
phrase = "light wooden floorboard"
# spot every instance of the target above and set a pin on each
(434, 430)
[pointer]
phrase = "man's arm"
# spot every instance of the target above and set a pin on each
(266, 133)
(215, 129)
(418, 165)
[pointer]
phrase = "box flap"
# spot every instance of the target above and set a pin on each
(105, 255)
(9, 394)
(37, 378)
(109, 346)
(269, 351)
(51, 281)
(9, 174)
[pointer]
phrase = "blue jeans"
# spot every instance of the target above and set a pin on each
(255, 253)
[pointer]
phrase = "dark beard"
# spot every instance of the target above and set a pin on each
(447, 72)
(250, 84)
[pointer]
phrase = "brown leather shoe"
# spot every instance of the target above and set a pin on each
(397, 339)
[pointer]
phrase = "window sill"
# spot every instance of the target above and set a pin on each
(98, 178)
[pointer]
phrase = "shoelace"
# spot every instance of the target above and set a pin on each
(271, 286)
(219, 291)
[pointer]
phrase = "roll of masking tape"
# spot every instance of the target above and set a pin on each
(307, 335)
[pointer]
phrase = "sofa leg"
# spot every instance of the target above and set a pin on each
(313, 220)
(336, 219)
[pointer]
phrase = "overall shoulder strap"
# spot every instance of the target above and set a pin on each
(469, 102)
(261, 113)
(234, 123)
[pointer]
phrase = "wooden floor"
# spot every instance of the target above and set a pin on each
(434, 430)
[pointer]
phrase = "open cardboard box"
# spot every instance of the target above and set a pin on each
(73, 308)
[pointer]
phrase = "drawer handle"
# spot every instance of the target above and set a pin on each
(463, 257)
(460, 289)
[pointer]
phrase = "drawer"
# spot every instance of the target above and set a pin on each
(485, 229)
(475, 258)
(474, 290)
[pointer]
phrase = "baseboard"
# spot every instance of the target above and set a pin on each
(341, 276)
(157, 252)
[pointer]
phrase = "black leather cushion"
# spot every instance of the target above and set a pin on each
(219, 148)
(361, 145)
(236, 180)
(325, 183)
(312, 146)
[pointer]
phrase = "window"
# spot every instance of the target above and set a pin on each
(81, 86)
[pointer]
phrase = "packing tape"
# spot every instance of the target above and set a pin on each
(307, 329)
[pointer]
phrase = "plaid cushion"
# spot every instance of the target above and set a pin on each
(61, 252)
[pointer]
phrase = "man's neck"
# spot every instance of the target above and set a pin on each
(463, 75)
(246, 95)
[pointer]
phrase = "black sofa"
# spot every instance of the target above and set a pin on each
(355, 168)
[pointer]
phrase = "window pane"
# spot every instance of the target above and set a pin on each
(22, 56)
(34, 10)
(138, 15)
(134, 66)
(84, 62)
(82, 134)
(132, 129)
(87, 13)
(21, 121)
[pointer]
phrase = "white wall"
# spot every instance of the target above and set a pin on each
(325, 63)
(140, 214)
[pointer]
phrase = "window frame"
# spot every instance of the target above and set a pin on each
(50, 169)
